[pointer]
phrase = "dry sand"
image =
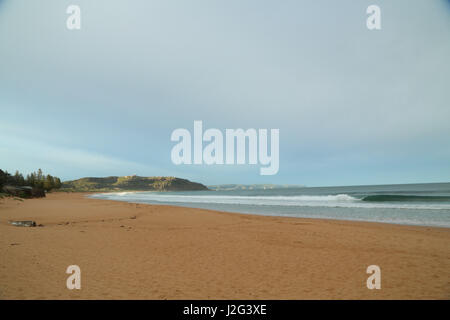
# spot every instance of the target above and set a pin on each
(135, 251)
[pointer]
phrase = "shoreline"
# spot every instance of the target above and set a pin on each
(256, 214)
(142, 251)
(88, 193)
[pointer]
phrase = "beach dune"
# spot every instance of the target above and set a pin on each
(137, 251)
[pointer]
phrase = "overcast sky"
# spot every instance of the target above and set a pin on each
(353, 106)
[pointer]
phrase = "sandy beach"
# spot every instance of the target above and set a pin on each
(136, 251)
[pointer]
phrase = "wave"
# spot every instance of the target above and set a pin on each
(156, 195)
(405, 198)
(330, 201)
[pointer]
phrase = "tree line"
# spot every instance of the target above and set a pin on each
(35, 179)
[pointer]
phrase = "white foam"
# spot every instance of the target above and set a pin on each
(337, 201)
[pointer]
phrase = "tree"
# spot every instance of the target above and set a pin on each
(9, 178)
(49, 183)
(39, 179)
(57, 183)
(34, 179)
(31, 179)
(40, 175)
(18, 179)
(2, 178)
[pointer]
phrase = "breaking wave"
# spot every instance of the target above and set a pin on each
(337, 201)
(405, 198)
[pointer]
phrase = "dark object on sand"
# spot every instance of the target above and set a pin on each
(26, 223)
(24, 192)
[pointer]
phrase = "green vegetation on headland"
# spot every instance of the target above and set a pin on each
(34, 185)
(132, 183)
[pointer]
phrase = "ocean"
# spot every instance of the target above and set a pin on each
(408, 204)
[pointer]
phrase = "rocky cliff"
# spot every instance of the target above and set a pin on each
(134, 183)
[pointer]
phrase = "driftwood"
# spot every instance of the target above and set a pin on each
(26, 223)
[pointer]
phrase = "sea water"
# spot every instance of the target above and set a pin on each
(409, 204)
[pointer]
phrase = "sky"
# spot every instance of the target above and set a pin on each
(353, 106)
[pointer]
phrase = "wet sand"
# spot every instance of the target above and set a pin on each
(136, 251)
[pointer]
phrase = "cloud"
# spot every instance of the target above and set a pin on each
(27, 155)
(107, 97)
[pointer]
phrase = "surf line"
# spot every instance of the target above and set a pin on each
(235, 147)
